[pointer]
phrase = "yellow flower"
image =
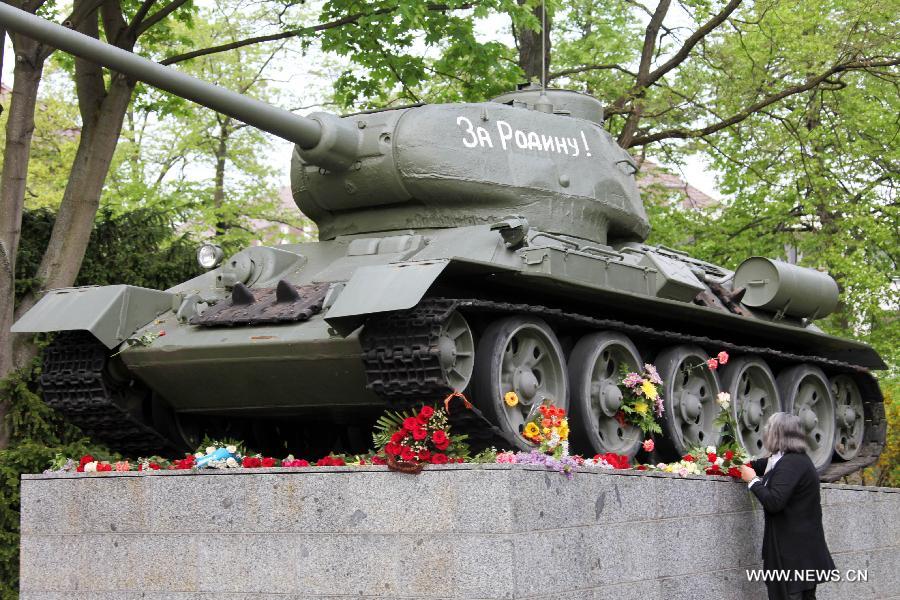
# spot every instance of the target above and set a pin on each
(564, 431)
(640, 407)
(546, 431)
(531, 430)
(649, 390)
(511, 398)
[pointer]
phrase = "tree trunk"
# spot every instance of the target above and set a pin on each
(16, 154)
(221, 154)
(69, 239)
(529, 43)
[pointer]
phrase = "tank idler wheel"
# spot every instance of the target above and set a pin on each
(456, 347)
(595, 372)
(689, 393)
(805, 392)
(754, 399)
(849, 417)
(522, 355)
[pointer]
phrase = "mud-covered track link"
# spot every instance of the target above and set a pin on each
(402, 358)
(76, 381)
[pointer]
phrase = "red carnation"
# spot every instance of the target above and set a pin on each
(268, 462)
(426, 413)
(392, 449)
(688, 458)
(102, 467)
(641, 467)
(406, 453)
(397, 437)
(424, 455)
(251, 462)
(440, 439)
(410, 423)
(419, 433)
(711, 457)
(729, 454)
(714, 470)
(734, 472)
(439, 459)
(85, 460)
(377, 460)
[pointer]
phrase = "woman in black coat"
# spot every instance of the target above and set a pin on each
(787, 485)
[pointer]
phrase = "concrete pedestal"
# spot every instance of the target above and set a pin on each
(459, 531)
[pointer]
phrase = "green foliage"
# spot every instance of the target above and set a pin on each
(886, 472)
(37, 434)
(139, 248)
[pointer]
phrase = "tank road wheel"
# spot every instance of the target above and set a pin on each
(456, 347)
(754, 398)
(521, 355)
(805, 392)
(689, 392)
(595, 371)
(849, 417)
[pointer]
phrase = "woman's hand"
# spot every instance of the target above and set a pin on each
(747, 473)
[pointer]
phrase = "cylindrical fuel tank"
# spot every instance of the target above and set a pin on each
(778, 286)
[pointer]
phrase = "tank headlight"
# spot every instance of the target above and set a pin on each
(209, 256)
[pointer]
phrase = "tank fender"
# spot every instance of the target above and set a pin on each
(382, 288)
(111, 313)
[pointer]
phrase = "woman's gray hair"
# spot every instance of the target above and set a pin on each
(784, 433)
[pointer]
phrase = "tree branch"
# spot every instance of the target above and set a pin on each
(810, 83)
(158, 16)
(577, 70)
(692, 41)
(139, 16)
(349, 19)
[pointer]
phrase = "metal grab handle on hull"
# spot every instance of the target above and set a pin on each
(306, 133)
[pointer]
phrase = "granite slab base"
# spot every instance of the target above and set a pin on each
(456, 531)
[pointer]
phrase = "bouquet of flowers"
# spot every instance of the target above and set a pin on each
(410, 440)
(549, 430)
(641, 401)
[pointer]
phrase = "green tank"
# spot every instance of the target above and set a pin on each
(477, 248)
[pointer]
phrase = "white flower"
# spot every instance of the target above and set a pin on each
(90, 467)
(230, 462)
(682, 471)
(661, 466)
(199, 455)
(210, 449)
(710, 449)
(231, 449)
(723, 400)
(720, 461)
(565, 448)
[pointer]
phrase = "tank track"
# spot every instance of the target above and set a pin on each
(401, 359)
(76, 383)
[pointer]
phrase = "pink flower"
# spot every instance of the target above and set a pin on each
(123, 465)
(653, 374)
(723, 358)
(648, 445)
(713, 364)
(506, 457)
(632, 380)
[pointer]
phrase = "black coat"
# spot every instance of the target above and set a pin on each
(794, 537)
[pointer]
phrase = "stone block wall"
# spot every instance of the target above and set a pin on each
(456, 531)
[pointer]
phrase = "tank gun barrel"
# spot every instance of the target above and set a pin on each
(339, 138)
